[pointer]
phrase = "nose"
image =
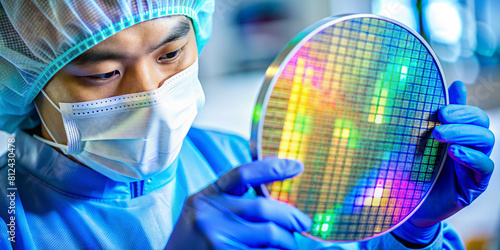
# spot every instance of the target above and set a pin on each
(140, 77)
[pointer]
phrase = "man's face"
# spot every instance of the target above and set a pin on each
(137, 59)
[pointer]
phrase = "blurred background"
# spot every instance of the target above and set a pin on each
(465, 34)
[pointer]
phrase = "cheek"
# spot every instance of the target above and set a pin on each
(84, 93)
(59, 88)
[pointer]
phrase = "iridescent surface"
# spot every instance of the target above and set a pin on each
(357, 104)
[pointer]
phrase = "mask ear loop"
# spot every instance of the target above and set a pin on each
(63, 147)
(51, 102)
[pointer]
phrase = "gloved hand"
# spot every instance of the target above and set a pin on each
(466, 171)
(220, 217)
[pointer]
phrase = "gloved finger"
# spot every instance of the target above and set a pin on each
(271, 235)
(467, 135)
(457, 93)
(462, 114)
(238, 180)
(262, 209)
(481, 165)
(224, 228)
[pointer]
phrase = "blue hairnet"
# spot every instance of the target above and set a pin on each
(39, 37)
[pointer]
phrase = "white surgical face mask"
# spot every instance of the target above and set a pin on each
(135, 136)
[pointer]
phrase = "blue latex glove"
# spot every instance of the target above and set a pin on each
(220, 217)
(466, 171)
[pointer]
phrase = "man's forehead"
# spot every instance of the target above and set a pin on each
(148, 32)
(141, 38)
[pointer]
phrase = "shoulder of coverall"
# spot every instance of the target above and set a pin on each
(221, 150)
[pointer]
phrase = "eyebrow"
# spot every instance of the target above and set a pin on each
(93, 57)
(180, 30)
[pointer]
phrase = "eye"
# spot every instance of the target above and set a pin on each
(169, 56)
(105, 76)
